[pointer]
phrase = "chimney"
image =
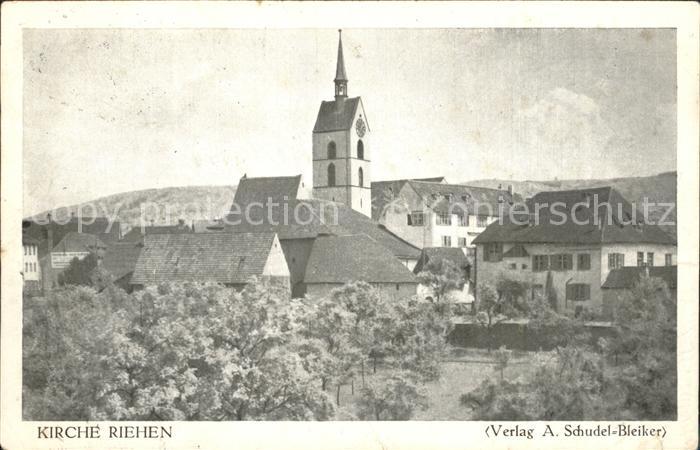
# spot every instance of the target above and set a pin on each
(48, 217)
(510, 190)
(500, 186)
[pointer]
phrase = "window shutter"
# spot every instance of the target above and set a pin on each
(408, 219)
(586, 291)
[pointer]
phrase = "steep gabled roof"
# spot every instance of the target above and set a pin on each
(383, 192)
(434, 254)
(456, 198)
(78, 242)
(228, 258)
(605, 226)
(336, 115)
(264, 190)
(120, 258)
(310, 218)
(340, 259)
(627, 277)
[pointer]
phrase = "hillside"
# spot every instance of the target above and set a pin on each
(187, 202)
(659, 188)
(207, 202)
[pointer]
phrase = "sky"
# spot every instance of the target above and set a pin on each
(114, 110)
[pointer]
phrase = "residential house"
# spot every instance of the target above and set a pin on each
(571, 240)
(227, 258)
(336, 260)
(47, 231)
(621, 281)
(384, 192)
(31, 270)
(437, 214)
(73, 245)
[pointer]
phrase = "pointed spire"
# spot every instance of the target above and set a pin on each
(341, 78)
(340, 74)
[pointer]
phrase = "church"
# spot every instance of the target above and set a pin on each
(341, 150)
(330, 238)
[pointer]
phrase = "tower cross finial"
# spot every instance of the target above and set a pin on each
(341, 78)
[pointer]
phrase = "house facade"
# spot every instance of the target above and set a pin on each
(31, 269)
(571, 258)
(438, 214)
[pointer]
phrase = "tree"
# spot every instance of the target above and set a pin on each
(495, 306)
(181, 352)
(564, 386)
(578, 381)
(644, 349)
(441, 276)
(552, 329)
(392, 397)
(79, 271)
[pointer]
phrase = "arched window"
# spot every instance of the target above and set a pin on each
(360, 149)
(331, 174)
(360, 177)
(331, 150)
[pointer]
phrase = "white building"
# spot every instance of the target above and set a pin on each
(438, 214)
(574, 256)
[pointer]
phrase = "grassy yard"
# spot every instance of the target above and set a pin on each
(461, 373)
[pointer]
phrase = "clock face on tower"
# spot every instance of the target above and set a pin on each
(360, 127)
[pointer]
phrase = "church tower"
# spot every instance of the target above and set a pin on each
(341, 151)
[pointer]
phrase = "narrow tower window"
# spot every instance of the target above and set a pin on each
(331, 174)
(331, 150)
(360, 177)
(360, 149)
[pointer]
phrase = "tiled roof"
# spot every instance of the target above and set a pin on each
(383, 192)
(546, 227)
(340, 259)
(265, 190)
(228, 258)
(137, 233)
(78, 242)
(315, 217)
(627, 277)
(453, 254)
(120, 258)
(336, 115)
(455, 198)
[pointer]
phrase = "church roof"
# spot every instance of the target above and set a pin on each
(336, 115)
(265, 190)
